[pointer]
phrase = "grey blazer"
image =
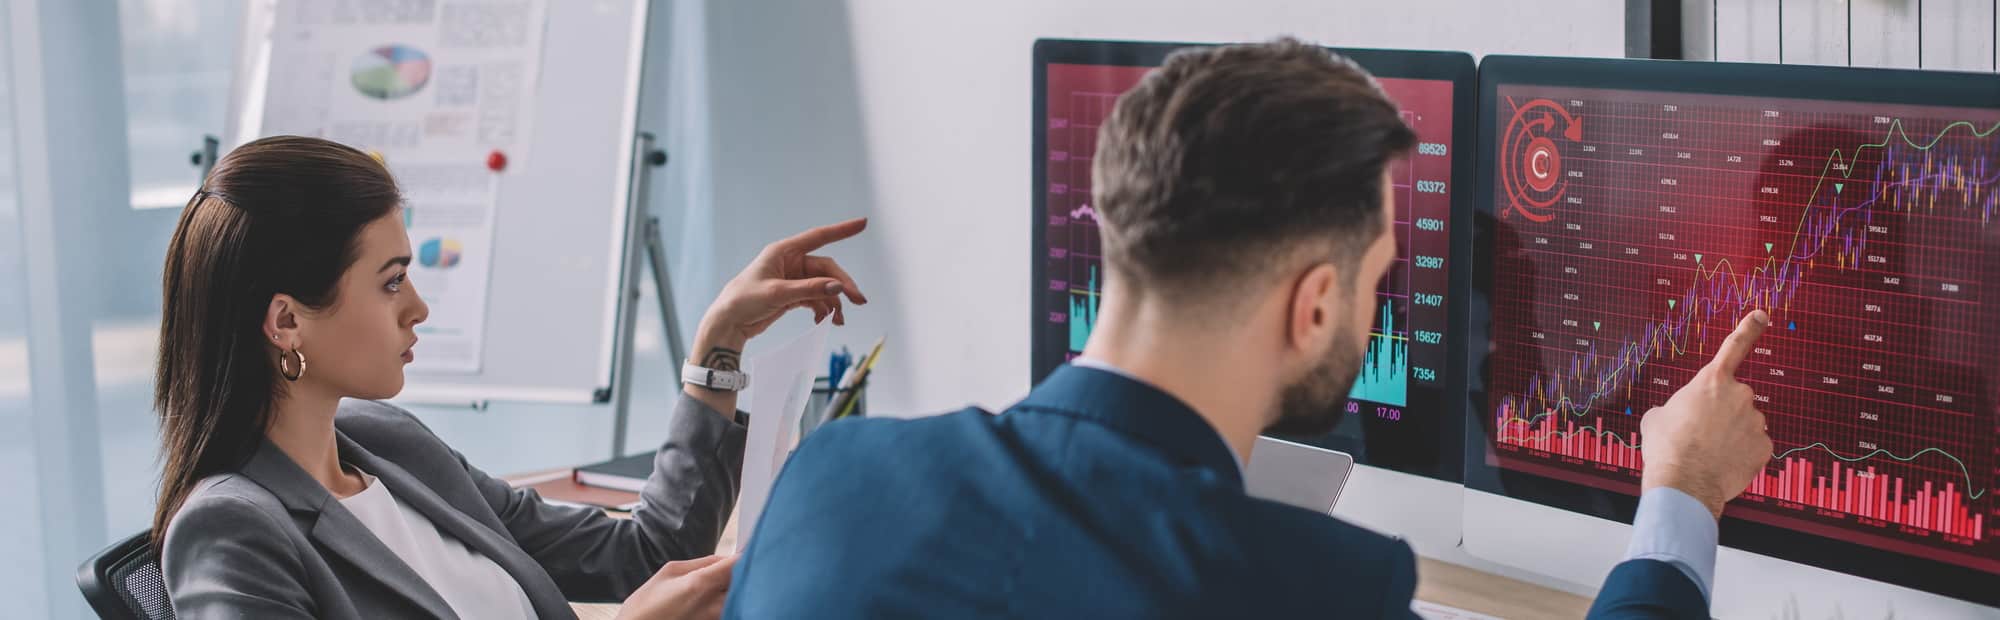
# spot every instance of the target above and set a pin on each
(268, 541)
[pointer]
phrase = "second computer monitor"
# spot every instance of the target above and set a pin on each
(1630, 212)
(1401, 414)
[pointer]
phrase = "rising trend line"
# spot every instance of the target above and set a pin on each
(1724, 287)
(1785, 284)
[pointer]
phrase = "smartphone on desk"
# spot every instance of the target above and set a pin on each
(1309, 477)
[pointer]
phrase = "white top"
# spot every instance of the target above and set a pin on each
(471, 583)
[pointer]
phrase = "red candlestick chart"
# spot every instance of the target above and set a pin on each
(1637, 227)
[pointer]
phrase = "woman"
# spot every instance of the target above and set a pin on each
(286, 290)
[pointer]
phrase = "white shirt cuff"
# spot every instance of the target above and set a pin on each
(1673, 527)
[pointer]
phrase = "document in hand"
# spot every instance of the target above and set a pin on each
(780, 384)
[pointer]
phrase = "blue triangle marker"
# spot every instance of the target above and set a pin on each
(1792, 325)
(1628, 411)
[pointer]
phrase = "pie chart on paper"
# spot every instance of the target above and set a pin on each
(391, 72)
(440, 253)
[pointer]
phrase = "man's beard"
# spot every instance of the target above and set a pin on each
(1312, 406)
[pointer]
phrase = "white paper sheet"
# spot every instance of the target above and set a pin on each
(434, 87)
(780, 384)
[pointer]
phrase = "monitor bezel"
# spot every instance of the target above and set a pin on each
(1886, 86)
(1455, 67)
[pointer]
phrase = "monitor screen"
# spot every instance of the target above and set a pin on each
(1632, 212)
(1398, 415)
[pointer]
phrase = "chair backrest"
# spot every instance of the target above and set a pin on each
(123, 581)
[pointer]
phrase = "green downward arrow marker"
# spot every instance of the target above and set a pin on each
(1671, 302)
(1837, 186)
(1697, 258)
(1597, 325)
(1767, 247)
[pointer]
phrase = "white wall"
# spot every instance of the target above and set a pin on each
(916, 113)
(1907, 34)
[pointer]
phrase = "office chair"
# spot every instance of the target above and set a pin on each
(123, 581)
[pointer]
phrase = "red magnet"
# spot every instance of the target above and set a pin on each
(496, 161)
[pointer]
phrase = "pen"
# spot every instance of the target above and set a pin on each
(861, 376)
(843, 391)
(836, 364)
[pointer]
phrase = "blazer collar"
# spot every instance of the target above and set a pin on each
(1133, 408)
(339, 531)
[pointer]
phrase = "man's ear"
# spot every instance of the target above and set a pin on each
(1312, 314)
(281, 322)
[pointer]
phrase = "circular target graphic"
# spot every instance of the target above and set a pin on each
(1531, 163)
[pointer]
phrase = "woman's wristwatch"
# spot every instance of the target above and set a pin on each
(722, 380)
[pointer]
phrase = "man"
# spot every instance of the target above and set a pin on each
(1246, 215)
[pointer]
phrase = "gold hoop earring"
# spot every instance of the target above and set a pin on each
(290, 375)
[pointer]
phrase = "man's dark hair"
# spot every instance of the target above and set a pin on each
(1227, 159)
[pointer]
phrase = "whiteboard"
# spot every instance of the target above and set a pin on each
(560, 229)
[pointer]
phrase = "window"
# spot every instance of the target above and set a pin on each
(179, 59)
(21, 580)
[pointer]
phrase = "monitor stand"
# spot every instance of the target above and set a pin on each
(1309, 477)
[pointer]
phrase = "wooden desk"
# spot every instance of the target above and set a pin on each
(1469, 589)
(595, 611)
(1437, 582)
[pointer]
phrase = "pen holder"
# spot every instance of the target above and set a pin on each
(824, 395)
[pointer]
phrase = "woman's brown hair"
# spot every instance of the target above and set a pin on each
(280, 215)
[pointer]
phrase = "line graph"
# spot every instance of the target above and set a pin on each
(1076, 257)
(1865, 231)
(1083, 212)
(1871, 495)
(1604, 446)
(1768, 286)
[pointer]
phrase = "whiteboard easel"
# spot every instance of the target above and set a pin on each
(569, 223)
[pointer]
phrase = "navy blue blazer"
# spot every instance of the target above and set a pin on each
(1098, 496)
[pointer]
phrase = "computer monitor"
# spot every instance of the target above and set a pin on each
(1629, 212)
(1402, 414)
